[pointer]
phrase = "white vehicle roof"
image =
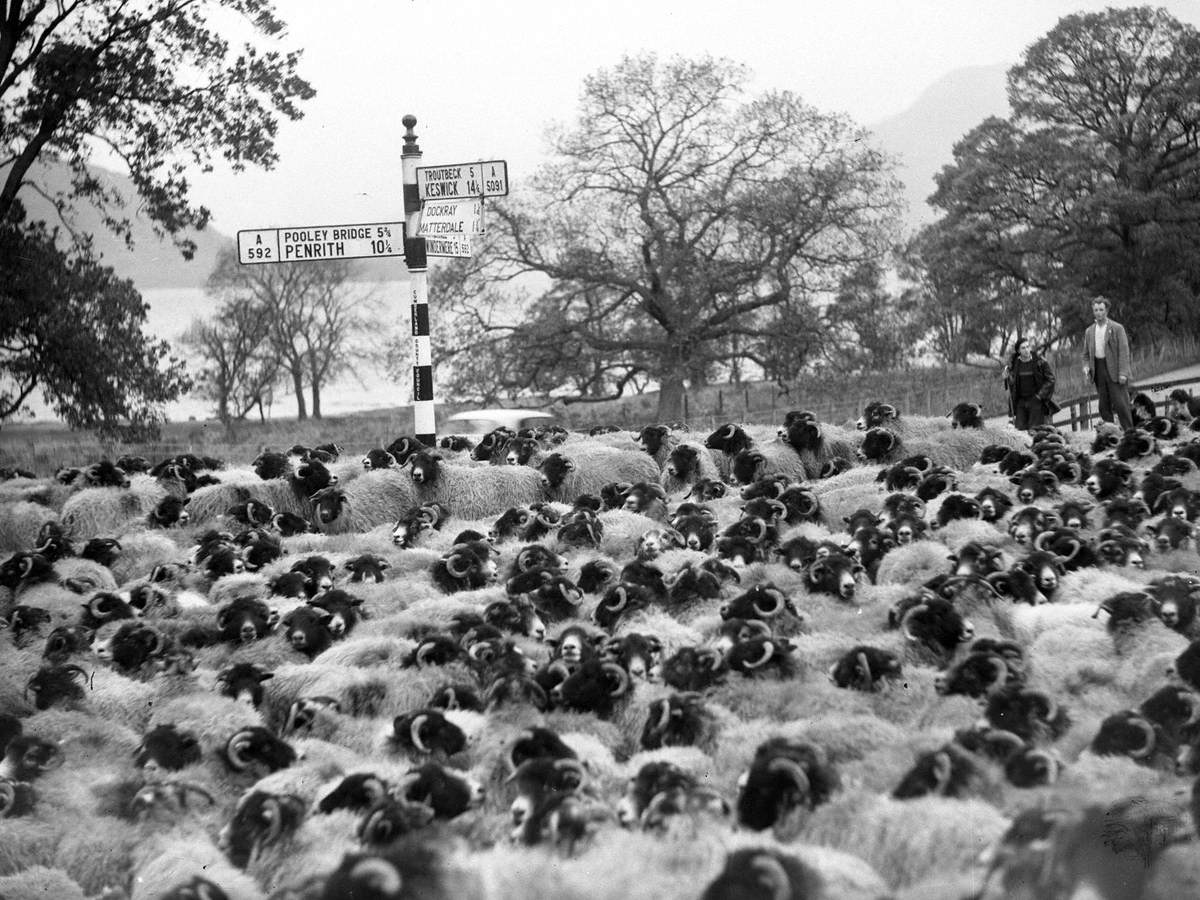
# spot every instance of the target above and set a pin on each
(481, 421)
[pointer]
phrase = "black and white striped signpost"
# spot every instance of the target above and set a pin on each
(457, 192)
(424, 426)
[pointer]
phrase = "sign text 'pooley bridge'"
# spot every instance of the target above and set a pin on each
(447, 233)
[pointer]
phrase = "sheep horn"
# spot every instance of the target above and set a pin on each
(904, 626)
(1146, 728)
(623, 596)
(1002, 736)
(1051, 708)
(943, 768)
(728, 431)
(864, 679)
(455, 568)
(378, 876)
(8, 797)
(793, 771)
(621, 676)
(768, 652)
(999, 672)
(774, 609)
(712, 659)
(1076, 546)
(234, 748)
(1041, 539)
(414, 733)
(186, 787)
(664, 717)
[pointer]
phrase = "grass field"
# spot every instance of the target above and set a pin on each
(43, 447)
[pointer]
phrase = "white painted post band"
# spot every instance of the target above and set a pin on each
(424, 423)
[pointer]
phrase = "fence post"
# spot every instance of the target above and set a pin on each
(685, 406)
(720, 402)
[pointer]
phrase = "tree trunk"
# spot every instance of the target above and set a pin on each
(670, 397)
(316, 397)
(298, 384)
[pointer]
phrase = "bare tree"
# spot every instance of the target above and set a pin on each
(239, 371)
(316, 319)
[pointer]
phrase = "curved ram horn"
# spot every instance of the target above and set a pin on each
(186, 787)
(423, 652)
(774, 609)
(904, 626)
(1050, 710)
(762, 530)
(711, 659)
(793, 771)
(414, 733)
(1041, 539)
(888, 410)
(999, 672)
(8, 796)
(621, 594)
(864, 678)
(943, 768)
(621, 679)
(1146, 728)
(728, 431)
(1001, 583)
(1076, 546)
(768, 652)
(234, 749)
(378, 876)
(1001, 736)
(455, 566)
(664, 716)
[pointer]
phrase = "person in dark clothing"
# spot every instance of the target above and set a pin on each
(1030, 385)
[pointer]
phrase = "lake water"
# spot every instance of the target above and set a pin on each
(172, 310)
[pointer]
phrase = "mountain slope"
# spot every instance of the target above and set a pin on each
(924, 135)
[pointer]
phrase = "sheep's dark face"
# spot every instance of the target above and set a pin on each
(165, 748)
(555, 468)
(425, 467)
(876, 415)
(877, 444)
(261, 820)
(652, 438)
(243, 682)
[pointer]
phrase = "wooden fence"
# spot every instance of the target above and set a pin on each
(1079, 412)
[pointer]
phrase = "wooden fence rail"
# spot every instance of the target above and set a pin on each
(1079, 412)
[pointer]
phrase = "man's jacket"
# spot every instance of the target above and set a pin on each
(1116, 351)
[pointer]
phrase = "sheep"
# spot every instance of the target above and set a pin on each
(109, 511)
(473, 492)
(689, 463)
(585, 468)
(20, 523)
(370, 500)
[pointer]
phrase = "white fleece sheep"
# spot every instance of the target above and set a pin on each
(19, 524)
(111, 511)
(209, 503)
(706, 465)
(373, 499)
(477, 492)
(181, 858)
(597, 465)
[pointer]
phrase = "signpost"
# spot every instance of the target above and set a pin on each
(463, 181)
(443, 209)
(320, 242)
(448, 225)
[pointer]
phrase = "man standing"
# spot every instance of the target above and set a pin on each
(1106, 363)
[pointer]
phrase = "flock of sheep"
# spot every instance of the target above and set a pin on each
(920, 658)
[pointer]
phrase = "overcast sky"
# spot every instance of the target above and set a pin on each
(484, 78)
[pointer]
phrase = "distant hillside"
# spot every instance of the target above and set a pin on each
(924, 135)
(153, 264)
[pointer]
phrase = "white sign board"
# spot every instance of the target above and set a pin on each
(458, 247)
(321, 242)
(451, 218)
(462, 181)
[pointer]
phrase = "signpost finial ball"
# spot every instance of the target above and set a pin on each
(410, 136)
